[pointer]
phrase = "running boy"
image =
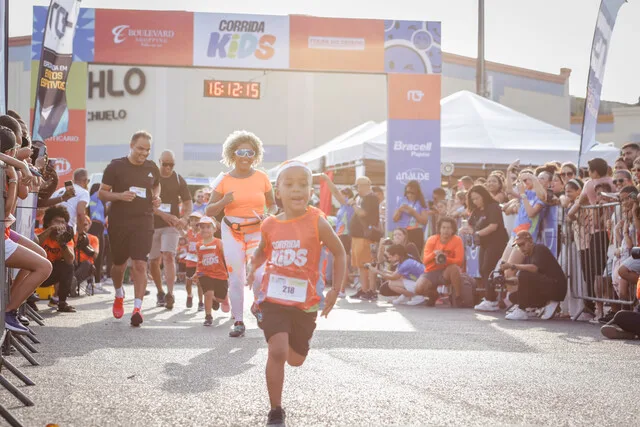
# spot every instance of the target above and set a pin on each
(291, 245)
(211, 271)
(191, 260)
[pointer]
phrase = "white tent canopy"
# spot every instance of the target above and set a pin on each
(475, 130)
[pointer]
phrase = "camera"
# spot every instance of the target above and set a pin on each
(635, 252)
(497, 279)
(66, 236)
(441, 259)
(84, 246)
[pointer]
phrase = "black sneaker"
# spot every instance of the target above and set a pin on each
(63, 307)
(168, 301)
(238, 330)
(606, 319)
(189, 302)
(276, 417)
(160, 300)
(358, 295)
(208, 321)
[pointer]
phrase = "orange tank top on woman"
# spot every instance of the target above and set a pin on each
(211, 261)
(293, 250)
(248, 194)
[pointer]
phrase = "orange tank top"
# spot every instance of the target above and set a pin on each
(293, 251)
(193, 239)
(211, 261)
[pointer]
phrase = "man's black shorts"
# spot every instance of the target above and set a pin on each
(130, 242)
(298, 324)
(218, 286)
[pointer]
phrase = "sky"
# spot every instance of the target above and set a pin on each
(543, 35)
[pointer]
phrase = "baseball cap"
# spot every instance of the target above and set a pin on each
(207, 220)
(196, 214)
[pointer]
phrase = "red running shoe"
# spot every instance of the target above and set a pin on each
(118, 307)
(225, 305)
(136, 317)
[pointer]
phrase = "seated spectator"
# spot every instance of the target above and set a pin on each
(541, 281)
(57, 241)
(443, 260)
(87, 250)
(403, 279)
(400, 236)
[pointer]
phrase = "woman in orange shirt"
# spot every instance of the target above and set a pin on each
(246, 197)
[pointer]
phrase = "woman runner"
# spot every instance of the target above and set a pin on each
(243, 194)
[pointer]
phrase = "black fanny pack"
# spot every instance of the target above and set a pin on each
(238, 227)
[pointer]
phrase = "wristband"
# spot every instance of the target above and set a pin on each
(13, 181)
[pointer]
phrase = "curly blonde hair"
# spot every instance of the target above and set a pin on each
(234, 140)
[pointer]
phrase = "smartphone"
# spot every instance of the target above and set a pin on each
(68, 184)
(52, 163)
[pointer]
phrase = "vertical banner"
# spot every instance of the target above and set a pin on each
(413, 137)
(51, 116)
(599, 50)
(4, 55)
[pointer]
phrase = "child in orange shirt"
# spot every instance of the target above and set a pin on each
(191, 258)
(211, 271)
(292, 245)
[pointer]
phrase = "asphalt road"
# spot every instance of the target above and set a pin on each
(370, 364)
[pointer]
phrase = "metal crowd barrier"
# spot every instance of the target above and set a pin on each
(9, 342)
(595, 245)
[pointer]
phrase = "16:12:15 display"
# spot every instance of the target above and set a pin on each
(231, 89)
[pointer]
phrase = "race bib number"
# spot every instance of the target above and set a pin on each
(140, 192)
(287, 288)
(165, 207)
(191, 257)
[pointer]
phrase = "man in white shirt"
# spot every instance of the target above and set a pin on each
(76, 205)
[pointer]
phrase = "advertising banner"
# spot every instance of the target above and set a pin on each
(69, 149)
(413, 154)
(412, 47)
(337, 44)
(146, 37)
(472, 259)
(51, 113)
(82, 40)
(241, 41)
(414, 96)
(601, 39)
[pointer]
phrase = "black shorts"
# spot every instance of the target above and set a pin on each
(218, 286)
(190, 271)
(346, 242)
(129, 242)
(298, 324)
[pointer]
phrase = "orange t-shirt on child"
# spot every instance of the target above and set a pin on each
(248, 194)
(211, 260)
(191, 259)
(293, 250)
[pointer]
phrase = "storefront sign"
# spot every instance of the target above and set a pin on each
(134, 83)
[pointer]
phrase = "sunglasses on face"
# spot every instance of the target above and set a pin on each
(618, 181)
(567, 174)
(245, 152)
(168, 165)
(635, 170)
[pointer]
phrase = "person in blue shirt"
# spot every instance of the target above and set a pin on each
(98, 215)
(343, 217)
(412, 213)
(403, 279)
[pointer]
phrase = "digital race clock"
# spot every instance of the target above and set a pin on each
(230, 89)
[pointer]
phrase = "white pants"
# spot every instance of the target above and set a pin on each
(238, 247)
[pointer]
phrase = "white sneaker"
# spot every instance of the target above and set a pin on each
(549, 310)
(401, 300)
(517, 314)
(486, 305)
(417, 300)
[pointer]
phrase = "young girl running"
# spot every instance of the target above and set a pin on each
(291, 245)
(191, 260)
(211, 272)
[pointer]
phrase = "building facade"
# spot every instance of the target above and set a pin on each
(295, 111)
